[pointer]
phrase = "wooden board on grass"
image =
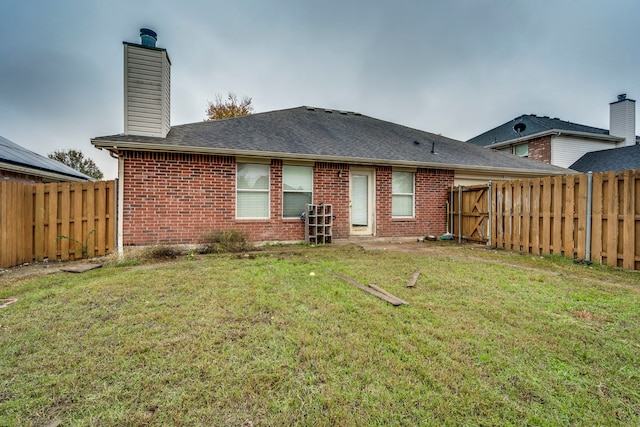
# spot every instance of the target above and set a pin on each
(377, 291)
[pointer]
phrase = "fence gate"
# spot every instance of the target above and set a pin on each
(469, 213)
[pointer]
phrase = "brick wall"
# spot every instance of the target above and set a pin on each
(331, 186)
(540, 149)
(431, 194)
(176, 198)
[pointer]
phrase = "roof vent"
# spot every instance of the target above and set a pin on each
(148, 37)
(622, 97)
(519, 127)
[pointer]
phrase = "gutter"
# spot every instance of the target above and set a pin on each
(119, 146)
(556, 132)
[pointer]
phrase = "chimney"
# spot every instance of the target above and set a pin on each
(622, 120)
(147, 87)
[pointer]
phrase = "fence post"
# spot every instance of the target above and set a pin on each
(587, 256)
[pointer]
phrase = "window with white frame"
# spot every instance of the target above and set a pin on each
(297, 189)
(252, 190)
(402, 194)
(522, 150)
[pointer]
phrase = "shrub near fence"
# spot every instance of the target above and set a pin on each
(551, 215)
(55, 221)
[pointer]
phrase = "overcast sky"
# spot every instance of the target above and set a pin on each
(455, 67)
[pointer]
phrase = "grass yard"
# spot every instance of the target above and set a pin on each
(488, 338)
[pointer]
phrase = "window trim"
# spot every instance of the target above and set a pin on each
(412, 194)
(311, 169)
(515, 150)
(261, 191)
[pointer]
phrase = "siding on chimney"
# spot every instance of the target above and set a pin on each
(622, 121)
(147, 91)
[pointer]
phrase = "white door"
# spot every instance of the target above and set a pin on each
(362, 202)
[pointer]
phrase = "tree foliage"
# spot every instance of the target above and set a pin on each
(76, 160)
(231, 106)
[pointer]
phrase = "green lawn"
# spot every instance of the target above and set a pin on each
(488, 338)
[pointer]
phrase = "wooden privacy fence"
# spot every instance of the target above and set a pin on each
(55, 221)
(595, 218)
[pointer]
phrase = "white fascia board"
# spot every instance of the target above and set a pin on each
(134, 146)
(557, 132)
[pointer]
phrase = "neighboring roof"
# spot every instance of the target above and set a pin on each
(325, 135)
(615, 159)
(18, 159)
(530, 124)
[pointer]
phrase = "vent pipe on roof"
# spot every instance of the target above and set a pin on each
(148, 37)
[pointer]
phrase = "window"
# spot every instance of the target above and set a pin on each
(506, 149)
(402, 194)
(522, 150)
(297, 187)
(252, 191)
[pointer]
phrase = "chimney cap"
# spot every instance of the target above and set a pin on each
(622, 97)
(148, 37)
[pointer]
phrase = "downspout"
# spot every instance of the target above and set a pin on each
(451, 216)
(120, 207)
(459, 213)
(119, 204)
(588, 230)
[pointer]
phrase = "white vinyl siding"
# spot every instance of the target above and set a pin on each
(297, 189)
(402, 195)
(566, 150)
(147, 91)
(252, 191)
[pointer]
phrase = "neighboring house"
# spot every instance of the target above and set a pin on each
(617, 159)
(558, 142)
(19, 164)
(255, 173)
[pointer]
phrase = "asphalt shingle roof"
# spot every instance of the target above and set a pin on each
(530, 124)
(615, 159)
(322, 134)
(10, 152)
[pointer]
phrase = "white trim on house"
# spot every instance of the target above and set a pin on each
(557, 132)
(370, 228)
(150, 147)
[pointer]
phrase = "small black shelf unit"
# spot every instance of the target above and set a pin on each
(318, 224)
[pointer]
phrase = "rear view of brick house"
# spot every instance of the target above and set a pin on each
(255, 173)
